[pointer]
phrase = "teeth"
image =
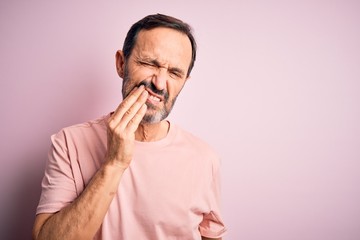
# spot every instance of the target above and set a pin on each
(154, 98)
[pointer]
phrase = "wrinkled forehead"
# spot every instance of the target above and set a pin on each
(166, 45)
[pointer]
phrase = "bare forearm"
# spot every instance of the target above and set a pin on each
(82, 218)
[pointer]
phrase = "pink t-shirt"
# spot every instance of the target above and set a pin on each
(170, 190)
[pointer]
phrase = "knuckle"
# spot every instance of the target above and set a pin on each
(128, 112)
(128, 100)
(118, 131)
(111, 124)
(123, 103)
(132, 121)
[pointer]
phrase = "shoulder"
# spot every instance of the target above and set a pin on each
(82, 131)
(199, 145)
(193, 139)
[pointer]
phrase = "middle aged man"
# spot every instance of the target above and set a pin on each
(132, 174)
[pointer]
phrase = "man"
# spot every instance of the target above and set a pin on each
(132, 174)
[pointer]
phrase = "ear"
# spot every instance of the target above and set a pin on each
(120, 63)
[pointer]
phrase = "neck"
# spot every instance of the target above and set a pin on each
(152, 132)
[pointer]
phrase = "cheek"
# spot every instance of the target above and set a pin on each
(141, 73)
(175, 88)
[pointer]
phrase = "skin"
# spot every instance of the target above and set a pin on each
(161, 56)
(163, 63)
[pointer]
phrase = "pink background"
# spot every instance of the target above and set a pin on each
(275, 90)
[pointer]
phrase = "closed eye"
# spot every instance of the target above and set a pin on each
(149, 64)
(175, 74)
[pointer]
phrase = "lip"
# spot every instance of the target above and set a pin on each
(154, 95)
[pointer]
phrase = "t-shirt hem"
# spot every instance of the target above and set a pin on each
(40, 210)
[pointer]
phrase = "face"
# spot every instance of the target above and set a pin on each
(159, 60)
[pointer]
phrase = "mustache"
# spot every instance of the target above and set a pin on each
(152, 87)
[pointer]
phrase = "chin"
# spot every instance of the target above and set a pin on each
(151, 119)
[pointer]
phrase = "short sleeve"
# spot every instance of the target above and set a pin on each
(58, 184)
(212, 225)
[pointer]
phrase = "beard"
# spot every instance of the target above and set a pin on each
(154, 114)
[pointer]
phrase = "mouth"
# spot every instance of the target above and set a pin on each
(154, 98)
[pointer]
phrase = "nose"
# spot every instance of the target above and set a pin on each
(159, 78)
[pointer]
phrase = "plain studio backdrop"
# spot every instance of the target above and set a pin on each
(275, 90)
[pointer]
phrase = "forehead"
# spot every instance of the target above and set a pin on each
(168, 46)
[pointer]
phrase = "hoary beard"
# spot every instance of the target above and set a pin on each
(153, 114)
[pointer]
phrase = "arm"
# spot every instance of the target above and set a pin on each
(82, 218)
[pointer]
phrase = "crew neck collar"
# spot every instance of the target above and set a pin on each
(162, 142)
(159, 143)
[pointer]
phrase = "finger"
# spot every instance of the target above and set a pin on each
(132, 111)
(125, 105)
(133, 124)
(133, 95)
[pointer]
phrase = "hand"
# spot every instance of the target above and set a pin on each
(122, 125)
